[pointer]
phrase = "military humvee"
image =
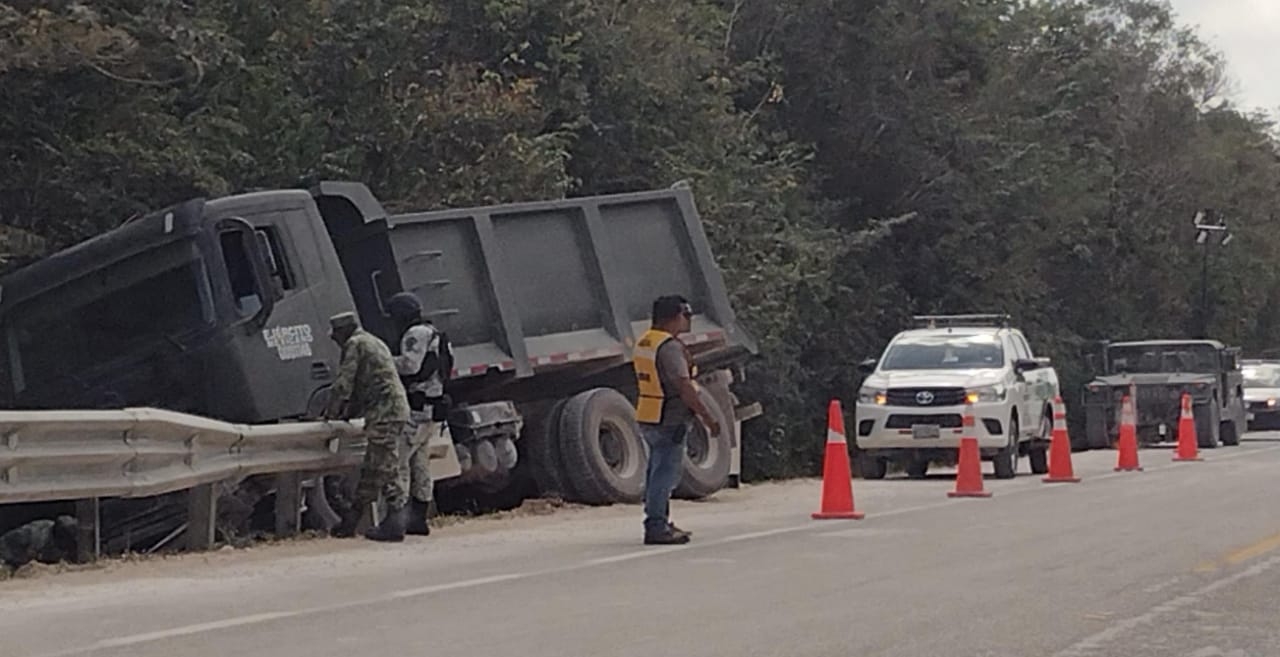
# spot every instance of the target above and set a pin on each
(1157, 373)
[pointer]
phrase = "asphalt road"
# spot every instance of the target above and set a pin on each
(1182, 560)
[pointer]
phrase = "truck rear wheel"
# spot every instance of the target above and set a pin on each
(541, 446)
(604, 455)
(707, 458)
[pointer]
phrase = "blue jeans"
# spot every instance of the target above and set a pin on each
(666, 456)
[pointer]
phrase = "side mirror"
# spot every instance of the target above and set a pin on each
(867, 366)
(258, 262)
(1026, 365)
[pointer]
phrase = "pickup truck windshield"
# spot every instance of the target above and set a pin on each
(108, 316)
(1262, 376)
(948, 352)
(1150, 359)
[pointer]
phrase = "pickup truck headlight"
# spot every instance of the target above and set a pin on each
(995, 393)
(877, 396)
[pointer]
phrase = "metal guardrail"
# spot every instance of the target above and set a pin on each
(74, 455)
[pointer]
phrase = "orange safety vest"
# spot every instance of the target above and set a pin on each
(653, 398)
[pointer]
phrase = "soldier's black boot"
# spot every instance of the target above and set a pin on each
(350, 519)
(392, 528)
(419, 513)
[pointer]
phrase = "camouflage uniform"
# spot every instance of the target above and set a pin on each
(368, 383)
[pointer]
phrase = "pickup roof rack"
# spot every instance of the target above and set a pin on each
(947, 321)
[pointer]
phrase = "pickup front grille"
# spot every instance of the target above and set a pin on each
(926, 396)
(948, 421)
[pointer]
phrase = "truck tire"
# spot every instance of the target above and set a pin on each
(1095, 428)
(917, 468)
(1208, 427)
(1230, 434)
(707, 458)
(604, 456)
(540, 443)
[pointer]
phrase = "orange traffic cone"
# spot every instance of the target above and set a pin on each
(969, 472)
(1127, 460)
(1060, 470)
(837, 481)
(1188, 445)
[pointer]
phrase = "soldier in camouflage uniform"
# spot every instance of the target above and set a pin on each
(368, 386)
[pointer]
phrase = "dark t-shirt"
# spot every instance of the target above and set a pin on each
(672, 367)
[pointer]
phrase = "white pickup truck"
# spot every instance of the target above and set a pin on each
(911, 406)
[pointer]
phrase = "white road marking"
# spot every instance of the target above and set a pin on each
(812, 526)
(1092, 644)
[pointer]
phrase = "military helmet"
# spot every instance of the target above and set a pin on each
(404, 306)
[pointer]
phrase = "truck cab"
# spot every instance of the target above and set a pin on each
(212, 307)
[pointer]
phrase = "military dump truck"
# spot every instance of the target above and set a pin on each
(1158, 372)
(220, 308)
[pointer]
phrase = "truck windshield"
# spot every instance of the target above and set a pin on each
(1149, 359)
(947, 352)
(109, 316)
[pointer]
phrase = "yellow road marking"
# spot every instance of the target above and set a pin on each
(1236, 557)
(1254, 551)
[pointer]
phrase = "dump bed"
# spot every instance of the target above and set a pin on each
(526, 287)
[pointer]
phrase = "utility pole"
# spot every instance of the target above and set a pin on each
(1207, 234)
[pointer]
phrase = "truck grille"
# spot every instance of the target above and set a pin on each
(1159, 404)
(951, 421)
(1260, 406)
(926, 396)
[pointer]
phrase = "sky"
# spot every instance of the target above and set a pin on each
(1247, 32)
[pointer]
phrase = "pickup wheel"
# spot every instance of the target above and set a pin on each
(1006, 460)
(1038, 450)
(604, 456)
(917, 468)
(707, 458)
(871, 467)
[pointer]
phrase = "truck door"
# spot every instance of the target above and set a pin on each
(286, 354)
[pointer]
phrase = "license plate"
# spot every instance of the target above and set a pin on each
(1164, 430)
(926, 431)
(1250, 417)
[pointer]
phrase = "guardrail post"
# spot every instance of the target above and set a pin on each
(288, 504)
(88, 535)
(202, 515)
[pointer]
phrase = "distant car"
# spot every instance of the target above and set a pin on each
(911, 405)
(1262, 394)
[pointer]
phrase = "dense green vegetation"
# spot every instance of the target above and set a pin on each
(856, 161)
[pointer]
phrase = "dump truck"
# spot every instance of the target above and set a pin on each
(219, 308)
